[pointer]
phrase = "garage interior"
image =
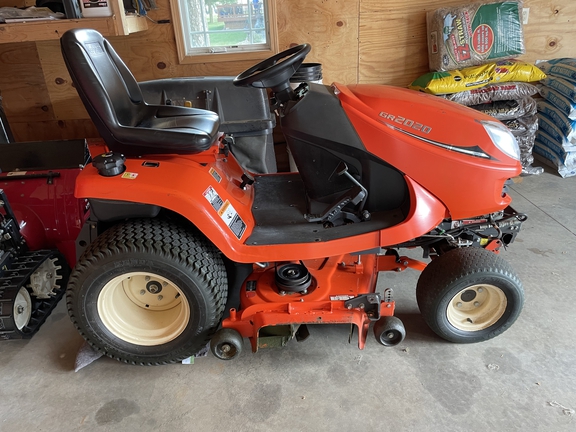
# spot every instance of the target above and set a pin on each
(521, 380)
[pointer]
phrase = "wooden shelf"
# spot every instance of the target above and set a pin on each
(119, 24)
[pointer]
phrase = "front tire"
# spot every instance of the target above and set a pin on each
(469, 295)
(148, 292)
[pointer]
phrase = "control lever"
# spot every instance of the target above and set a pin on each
(342, 169)
(357, 195)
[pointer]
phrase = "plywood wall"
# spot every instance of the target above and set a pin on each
(357, 41)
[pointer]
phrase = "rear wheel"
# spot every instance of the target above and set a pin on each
(148, 292)
(469, 295)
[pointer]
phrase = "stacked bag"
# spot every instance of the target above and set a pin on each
(556, 137)
(470, 49)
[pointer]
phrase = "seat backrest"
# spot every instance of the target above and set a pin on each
(105, 85)
(115, 103)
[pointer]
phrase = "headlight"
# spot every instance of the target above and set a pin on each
(502, 138)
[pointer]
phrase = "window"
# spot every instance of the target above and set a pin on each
(224, 30)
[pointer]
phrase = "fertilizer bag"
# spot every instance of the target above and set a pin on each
(473, 34)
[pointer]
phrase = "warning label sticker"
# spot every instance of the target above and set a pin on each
(231, 218)
(129, 175)
(215, 174)
(213, 198)
(226, 211)
(341, 297)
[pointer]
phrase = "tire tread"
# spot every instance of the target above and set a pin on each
(160, 238)
(453, 266)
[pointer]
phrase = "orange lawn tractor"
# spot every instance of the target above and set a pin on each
(185, 246)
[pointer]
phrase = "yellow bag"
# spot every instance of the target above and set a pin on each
(477, 76)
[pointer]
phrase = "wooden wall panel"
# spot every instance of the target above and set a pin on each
(53, 130)
(393, 45)
(331, 27)
(63, 96)
(152, 55)
(22, 87)
(551, 31)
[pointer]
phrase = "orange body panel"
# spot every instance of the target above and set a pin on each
(397, 126)
(179, 184)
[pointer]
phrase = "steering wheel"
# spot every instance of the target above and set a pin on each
(273, 73)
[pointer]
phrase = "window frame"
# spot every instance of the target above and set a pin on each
(257, 54)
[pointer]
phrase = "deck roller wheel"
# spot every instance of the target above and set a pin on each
(226, 344)
(389, 331)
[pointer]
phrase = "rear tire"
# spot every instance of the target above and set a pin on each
(469, 295)
(148, 292)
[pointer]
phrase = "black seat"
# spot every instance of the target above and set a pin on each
(115, 103)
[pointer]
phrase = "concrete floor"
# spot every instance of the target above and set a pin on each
(522, 380)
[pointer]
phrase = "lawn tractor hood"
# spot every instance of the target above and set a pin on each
(435, 141)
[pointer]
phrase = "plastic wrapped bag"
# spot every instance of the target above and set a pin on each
(11, 14)
(560, 119)
(565, 156)
(547, 152)
(509, 109)
(473, 34)
(493, 92)
(519, 116)
(562, 67)
(476, 77)
(546, 124)
(560, 101)
(524, 129)
(564, 87)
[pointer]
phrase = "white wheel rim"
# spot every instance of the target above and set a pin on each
(22, 308)
(143, 308)
(476, 307)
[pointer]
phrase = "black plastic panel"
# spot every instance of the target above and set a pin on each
(279, 208)
(43, 155)
(107, 211)
(242, 111)
(320, 136)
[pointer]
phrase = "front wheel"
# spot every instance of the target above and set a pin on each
(148, 292)
(469, 295)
